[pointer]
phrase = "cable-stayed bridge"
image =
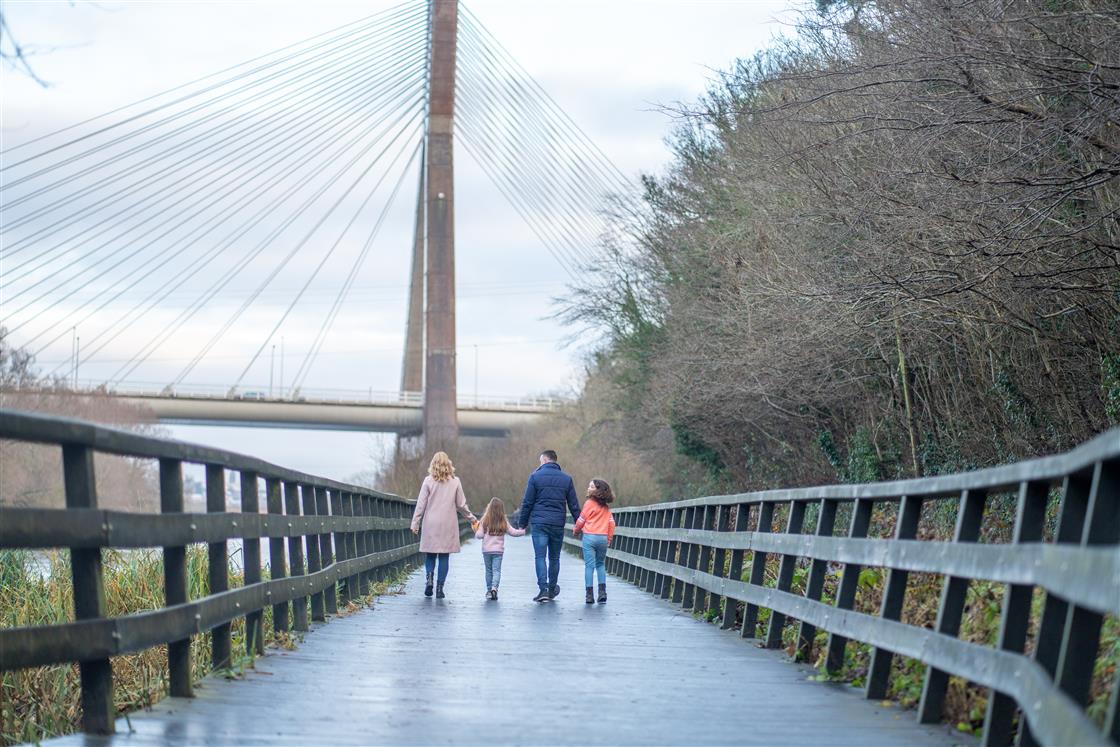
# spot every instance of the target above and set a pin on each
(137, 225)
(197, 223)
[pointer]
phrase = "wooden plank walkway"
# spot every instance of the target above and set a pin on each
(415, 671)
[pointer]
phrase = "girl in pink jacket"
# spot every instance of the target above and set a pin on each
(492, 530)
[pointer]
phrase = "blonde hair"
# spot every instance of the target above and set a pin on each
(494, 520)
(441, 469)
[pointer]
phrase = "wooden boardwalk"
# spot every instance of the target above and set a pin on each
(467, 671)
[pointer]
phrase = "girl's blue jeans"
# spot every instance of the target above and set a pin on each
(594, 558)
(493, 561)
(430, 564)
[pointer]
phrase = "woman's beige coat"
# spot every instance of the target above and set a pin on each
(435, 514)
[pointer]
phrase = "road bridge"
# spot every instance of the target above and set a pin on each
(325, 409)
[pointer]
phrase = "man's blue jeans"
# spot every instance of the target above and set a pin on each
(547, 541)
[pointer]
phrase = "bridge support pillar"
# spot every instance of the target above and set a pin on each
(441, 425)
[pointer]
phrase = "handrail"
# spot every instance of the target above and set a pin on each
(694, 552)
(328, 542)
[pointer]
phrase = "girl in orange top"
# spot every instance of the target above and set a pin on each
(597, 525)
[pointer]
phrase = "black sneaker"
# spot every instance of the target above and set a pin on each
(494, 594)
(542, 596)
(554, 592)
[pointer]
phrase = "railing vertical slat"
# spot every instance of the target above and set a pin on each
(662, 586)
(735, 570)
(644, 577)
(690, 553)
(677, 554)
(361, 537)
(953, 593)
(849, 582)
(719, 558)
(341, 546)
(350, 507)
(251, 558)
(217, 565)
(894, 594)
(89, 592)
(1030, 515)
(277, 566)
(1082, 633)
(758, 568)
(383, 540)
(295, 557)
(807, 632)
(704, 561)
(175, 577)
(1052, 622)
(785, 574)
(633, 572)
(314, 560)
(326, 553)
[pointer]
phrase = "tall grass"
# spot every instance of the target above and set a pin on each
(45, 702)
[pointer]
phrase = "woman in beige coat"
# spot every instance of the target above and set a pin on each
(435, 520)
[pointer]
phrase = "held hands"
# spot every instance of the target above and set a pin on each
(416, 531)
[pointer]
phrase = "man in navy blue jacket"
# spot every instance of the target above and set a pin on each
(548, 493)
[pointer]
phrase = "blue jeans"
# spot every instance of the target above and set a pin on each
(594, 558)
(430, 564)
(547, 541)
(493, 561)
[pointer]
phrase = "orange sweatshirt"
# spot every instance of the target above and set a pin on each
(595, 518)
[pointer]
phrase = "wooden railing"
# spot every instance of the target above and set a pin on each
(339, 539)
(694, 553)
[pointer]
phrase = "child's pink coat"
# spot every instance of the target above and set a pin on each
(495, 543)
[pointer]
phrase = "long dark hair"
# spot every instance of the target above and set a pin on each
(602, 493)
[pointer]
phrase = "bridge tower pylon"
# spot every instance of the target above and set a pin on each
(433, 262)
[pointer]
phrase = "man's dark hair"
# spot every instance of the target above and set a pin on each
(549, 454)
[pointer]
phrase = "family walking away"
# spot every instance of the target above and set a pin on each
(597, 525)
(440, 501)
(492, 530)
(549, 495)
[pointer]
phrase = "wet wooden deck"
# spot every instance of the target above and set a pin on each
(417, 671)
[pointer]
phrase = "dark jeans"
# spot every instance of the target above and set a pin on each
(547, 541)
(430, 564)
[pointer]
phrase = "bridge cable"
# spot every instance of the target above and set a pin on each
(298, 147)
(589, 163)
(370, 21)
(488, 41)
(188, 216)
(329, 252)
(577, 221)
(536, 134)
(207, 295)
(283, 102)
(531, 192)
(344, 291)
(587, 172)
(232, 174)
(214, 339)
(211, 292)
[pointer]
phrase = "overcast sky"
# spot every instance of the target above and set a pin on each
(610, 65)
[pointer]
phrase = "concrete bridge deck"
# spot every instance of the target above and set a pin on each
(416, 671)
